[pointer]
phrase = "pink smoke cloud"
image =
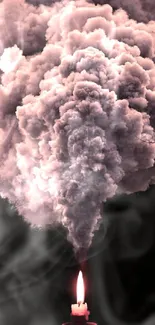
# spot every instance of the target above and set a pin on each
(76, 106)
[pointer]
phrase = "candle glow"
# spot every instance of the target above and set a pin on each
(80, 309)
(80, 289)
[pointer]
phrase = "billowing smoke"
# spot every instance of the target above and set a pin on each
(77, 99)
(140, 10)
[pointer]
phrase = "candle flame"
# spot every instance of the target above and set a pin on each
(80, 289)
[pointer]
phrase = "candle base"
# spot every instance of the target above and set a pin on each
(87, 323)
(78, 320)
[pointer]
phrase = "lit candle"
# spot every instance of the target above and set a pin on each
(80, 313)
(80, 309)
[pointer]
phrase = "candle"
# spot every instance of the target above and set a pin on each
(80, 309)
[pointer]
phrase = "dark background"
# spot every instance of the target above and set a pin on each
(38, 269)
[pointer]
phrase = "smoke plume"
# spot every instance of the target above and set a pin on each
(77, 120)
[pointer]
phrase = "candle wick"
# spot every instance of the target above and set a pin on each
(79, 303)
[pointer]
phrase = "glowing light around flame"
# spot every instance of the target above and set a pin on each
(80, 289)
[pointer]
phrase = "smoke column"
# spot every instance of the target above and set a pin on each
(77, 98)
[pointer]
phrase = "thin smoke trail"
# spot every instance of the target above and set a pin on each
(98, 268)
